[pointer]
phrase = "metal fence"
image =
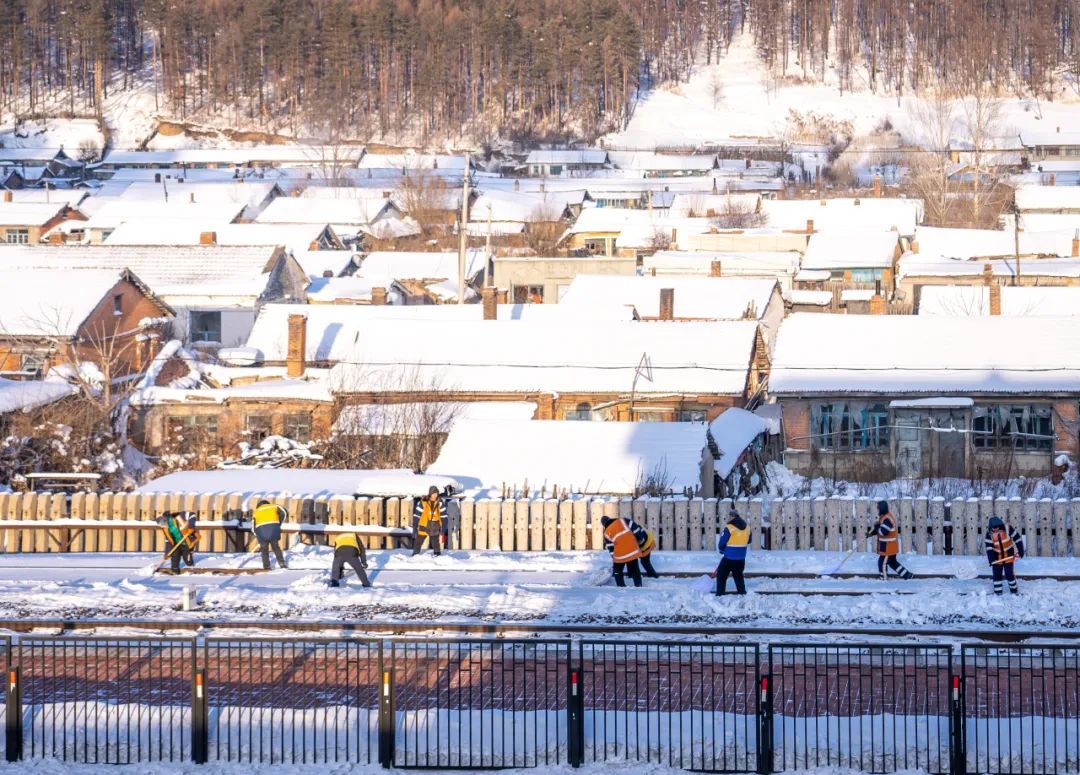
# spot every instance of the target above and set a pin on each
(106, 700)
(688, 705)
(1022, 709)
(703, 706)
(870, 708)
(479, 704)
(292, 701)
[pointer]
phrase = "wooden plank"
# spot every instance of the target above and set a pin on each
(682, 524)
(144, 541)
(957, 518)
(783, 525)
(1074, 538)
(504, 540)
(920, 508)
(976, 524)
(1061, 538)
(709, 510)
(377, 514)
(520, 537)
(652, 517)
(58, 510)
(626, 508)
(697, 509)
(833, 541)
(936, 519)
(481, 516)
(581, 524)
(1029, 526)
(905, 520)
(90, 511)
(551, 525)
(608, 508)
(863, 516)
(757, 506)
(467, 509)
(667, 525)
(1046, 526)
(819, 523)
(536, 524)
(805, 517)
(565, 520)
(596, 528)
(638, 512)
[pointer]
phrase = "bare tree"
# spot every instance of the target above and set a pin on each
(738, 213)
(544, 229)
(427, 198)
(982, 112)
(934, 120)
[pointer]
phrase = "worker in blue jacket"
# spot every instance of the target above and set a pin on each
(732, 544)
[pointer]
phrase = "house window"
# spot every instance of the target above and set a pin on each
(257, 427)
(193, 432)
(691, 415)
(118, 304)
(1024, 427)
(582, 411)
(297, 427)
(205, 327)
(850, 426)
(18, 236)
(596, 246)
(32, 363)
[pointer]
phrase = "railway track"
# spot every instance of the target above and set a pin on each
(360, 628)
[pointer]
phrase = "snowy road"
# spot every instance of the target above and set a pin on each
(552, 588)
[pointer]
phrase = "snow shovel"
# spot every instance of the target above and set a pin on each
(836, 568)
(192, 537)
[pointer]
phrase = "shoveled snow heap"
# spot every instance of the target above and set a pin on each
(309, 482)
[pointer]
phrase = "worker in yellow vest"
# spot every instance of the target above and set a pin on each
(348, 550)
(429, 519)
(266, 524)
(732, 544)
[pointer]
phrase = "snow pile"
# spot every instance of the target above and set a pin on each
(306, 482)
(733, 431)
(24, 396)
(272, 452)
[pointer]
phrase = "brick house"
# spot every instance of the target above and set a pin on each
(24, 223)
(54, 317)
(893, 396)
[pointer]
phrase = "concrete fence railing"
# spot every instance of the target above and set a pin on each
(927, 525)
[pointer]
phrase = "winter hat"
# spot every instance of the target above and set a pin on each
(605, 521)
(883, 507)
(996, 522)
(432, 490)
(732, 514)
(263, 502)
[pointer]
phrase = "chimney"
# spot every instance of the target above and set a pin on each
(1076, 244)
(8, 196)
(490, 301)
(988, 275)
(193, 197)
(715, 268)
(328, 274)
(877, 304)
(887, 278)
(502, 295)
(1052, 181)
(208, 238)
(877, 186)
(747, 162)
(157, 177)
(667, 303)
(378, 297)
(809, 225)
(995, 299)
(674, 239)
(295, 358)
(313, 245)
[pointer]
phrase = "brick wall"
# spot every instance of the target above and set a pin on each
(796, 415)
(1067, 427)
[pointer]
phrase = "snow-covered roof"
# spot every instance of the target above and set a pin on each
(50, 302)
(241, 192)
(810, 298)
(413, 161)
(1048, 198)
(306, 482)
(844, 214)
(920, 265)
(689, 204)
(387, 266)
(897, 354)
(700, 298)
(170, 272)
(1037, 224)
(350, 212)
(26, 395)
(759, 264)
(733, 431)
(316, 263)
(263, 154)
(109, 213)
(29, 213)
(291, 236)
(979, 243)
(555, 312)
(974, 300)
(516, 206)
(650, 161)
(1032, 136)
(64, 196)
(592, 156)
(590, 457)
(263, 390)
(856, 294)
(549, 356)
(613, 219)
(416, 418)
(859, 249)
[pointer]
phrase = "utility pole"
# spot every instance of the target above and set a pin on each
(1015, 210)
(461, 233)
(487, 253)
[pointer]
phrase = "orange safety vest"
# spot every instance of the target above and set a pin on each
(889, 543)
(1004, 547)
(622, 539)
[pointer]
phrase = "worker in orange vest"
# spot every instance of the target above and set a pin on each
(1003, 546)
(888, 543)
(621, 542)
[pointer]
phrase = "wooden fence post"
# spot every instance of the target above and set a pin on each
(581, 524)
(481, 514)
(1046, 525)
(501, 531)
(921, 510)
(834, 542)
(667, 525)
(905, 521)
(536, 524)
(682, 523)
(818, 523)
(805, 515)
(467, 508)
(551, 525)
(566, 524)
(697, 508)
(1061, 538)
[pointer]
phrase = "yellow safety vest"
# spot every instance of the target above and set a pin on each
(737, 537)
(266, 515)
(346, 539)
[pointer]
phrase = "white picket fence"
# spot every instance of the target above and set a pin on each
(927, 525)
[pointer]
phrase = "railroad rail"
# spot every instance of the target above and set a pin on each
(365, 628)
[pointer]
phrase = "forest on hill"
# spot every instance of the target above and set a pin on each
(524, 69)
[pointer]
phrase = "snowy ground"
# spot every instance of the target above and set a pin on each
(549, 588)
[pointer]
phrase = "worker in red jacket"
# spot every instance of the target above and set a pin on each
(621, 542)
(888, 543)
(1003, 544)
